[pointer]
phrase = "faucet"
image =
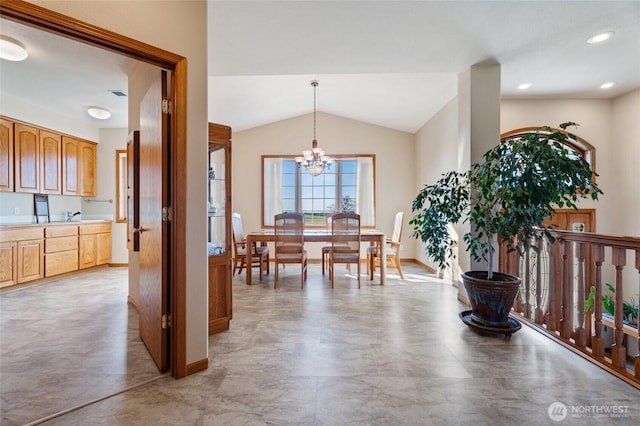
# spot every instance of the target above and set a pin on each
(70, 215)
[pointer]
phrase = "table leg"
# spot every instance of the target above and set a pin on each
(383, 260)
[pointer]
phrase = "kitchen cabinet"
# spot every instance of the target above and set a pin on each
(30, 260)
(50, 162)
(26, 148)
(8, 263)
(219, 228)
(6, 155)
(61, 249)
(94, 244)
(79, 167)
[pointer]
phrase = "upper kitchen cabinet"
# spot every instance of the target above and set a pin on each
(50, 162)
(26, 148)
(79, 167)
(6, 155)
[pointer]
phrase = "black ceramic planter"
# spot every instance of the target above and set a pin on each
(491, 300)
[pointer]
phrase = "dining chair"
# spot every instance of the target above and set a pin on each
(326, 249)
(393, 249)
(289, 243)
(345, 242)
(258, 255)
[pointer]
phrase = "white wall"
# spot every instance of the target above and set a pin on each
(395, 167)
(625, 158)
(181, 28)
(436, 153)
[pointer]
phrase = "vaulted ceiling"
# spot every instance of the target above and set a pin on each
(391, 63)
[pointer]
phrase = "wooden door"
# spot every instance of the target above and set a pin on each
(26, 150)
(153, 232)
(50, 163)
(70, 158)
(6, 155)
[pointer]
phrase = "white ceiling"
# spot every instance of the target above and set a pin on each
(392, 63)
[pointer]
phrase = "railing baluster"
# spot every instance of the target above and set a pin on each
(581, 337)
(618, 351)
(527, 283)
(597, 342)
(555, 285)
(539, 316)
(566, 322)
(637, 360)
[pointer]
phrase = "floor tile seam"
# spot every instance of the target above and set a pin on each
(95, 401)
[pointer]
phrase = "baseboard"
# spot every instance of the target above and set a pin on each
(133, 303)
(196, 367)
(424, 265)
(463, 299)
(118, 265)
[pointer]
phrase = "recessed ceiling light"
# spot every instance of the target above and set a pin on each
(99, 113)
(606, 85)
(599, 38)
(12, 50)
(524, 86)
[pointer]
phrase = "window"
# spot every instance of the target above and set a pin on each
(348, 185)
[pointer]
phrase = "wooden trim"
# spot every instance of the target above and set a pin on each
(424, 265)
(56, 23)
(121, 187)
(118, 265)
(196, 367)
(178, 252)
(133, 303)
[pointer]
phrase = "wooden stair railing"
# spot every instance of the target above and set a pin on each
(557, 278)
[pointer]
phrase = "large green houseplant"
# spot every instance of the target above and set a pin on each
(507, 196)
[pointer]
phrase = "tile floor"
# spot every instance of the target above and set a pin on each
(392, 355)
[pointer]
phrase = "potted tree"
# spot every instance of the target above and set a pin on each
(506, 196)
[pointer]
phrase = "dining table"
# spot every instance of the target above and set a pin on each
(264, 236)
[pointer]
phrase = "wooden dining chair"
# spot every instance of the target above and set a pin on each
(289, 243)
(393, 249)
(345, 242)
(258, 255)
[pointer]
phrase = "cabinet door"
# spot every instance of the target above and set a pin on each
(26, 151)
(30, 260)
(50, 162)
(87, 245)
(70, 158)
(87, 169)
(103, 249)
(8, 264)
(6, 155)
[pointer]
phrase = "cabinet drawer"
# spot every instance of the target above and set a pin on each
(53, 245)
(59, 263)
(21, 234)
(95, 228)
(61, 231)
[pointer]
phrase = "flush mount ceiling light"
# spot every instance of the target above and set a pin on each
(12, 50)
(606, 85)
(99, 113)
(599, 38)
(524, 86)
(314, 160)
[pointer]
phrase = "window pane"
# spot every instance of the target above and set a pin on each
(318, 194)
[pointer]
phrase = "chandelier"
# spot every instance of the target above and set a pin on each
(314, 160)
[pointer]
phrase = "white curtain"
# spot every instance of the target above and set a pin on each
(272, 189)
(365, 195)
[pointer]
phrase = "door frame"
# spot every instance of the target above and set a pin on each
(65, 26)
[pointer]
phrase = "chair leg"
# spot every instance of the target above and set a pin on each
(323, 254)
(275, 281)
(358, 273)
(399, 268)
